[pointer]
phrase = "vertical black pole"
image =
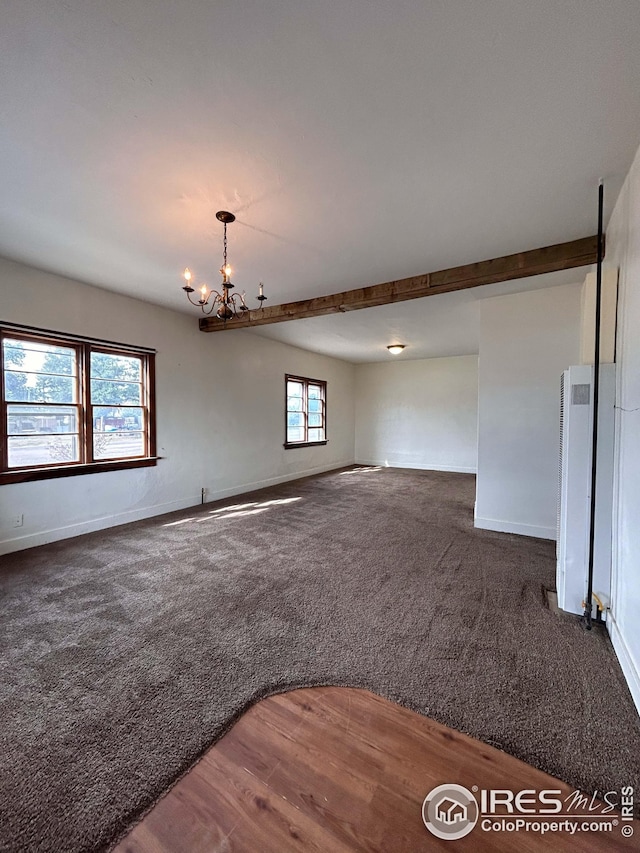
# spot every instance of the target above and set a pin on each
(596, 391)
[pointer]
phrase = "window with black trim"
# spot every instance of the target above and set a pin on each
(306, 415)
(72, 405)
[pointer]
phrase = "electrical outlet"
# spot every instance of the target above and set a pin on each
(18, 520)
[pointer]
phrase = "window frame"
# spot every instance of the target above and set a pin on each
(86, 464)
(289, 445)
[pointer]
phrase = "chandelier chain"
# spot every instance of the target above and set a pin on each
(225, 304)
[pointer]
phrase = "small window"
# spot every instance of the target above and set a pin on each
(73, 406)
(305, 411)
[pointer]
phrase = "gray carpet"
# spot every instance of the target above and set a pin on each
(127, 652)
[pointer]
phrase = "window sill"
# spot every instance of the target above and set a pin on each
(26, 475)
(290, 445)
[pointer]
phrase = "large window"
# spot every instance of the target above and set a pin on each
(73, 406)
(306, 411)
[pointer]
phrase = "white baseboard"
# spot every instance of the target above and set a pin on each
(44, 537)
(515, 527)
(274, 481)
(456, 469)
(32, 540)
(630, 669)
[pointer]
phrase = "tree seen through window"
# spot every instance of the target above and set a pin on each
(74, 403)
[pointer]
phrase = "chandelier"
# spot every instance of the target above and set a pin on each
(225, 304)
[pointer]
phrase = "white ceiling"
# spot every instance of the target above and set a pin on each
(433, 327)
(356, 142)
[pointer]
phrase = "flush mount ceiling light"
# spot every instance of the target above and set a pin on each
(225, 304)
(395, 349)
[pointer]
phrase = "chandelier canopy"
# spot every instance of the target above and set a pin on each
(226, 304)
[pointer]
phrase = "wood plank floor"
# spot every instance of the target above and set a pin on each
(336, 770)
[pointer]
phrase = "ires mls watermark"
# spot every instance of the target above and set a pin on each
(452, 811)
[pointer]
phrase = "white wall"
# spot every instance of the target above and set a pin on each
(526, 341)
(623, 251)
(220, 411)
(418, 414)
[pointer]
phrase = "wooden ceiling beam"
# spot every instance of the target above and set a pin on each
(562, 256)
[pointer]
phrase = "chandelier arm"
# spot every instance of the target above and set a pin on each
(240, 307)
(197, 304)
(208, 310)
(217, 298)
(225, 304)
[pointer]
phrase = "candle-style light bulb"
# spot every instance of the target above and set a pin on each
(261, 289)
(203, 293)
(187, 281)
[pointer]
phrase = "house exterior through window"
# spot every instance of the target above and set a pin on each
(306, 416)
(72, 406)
